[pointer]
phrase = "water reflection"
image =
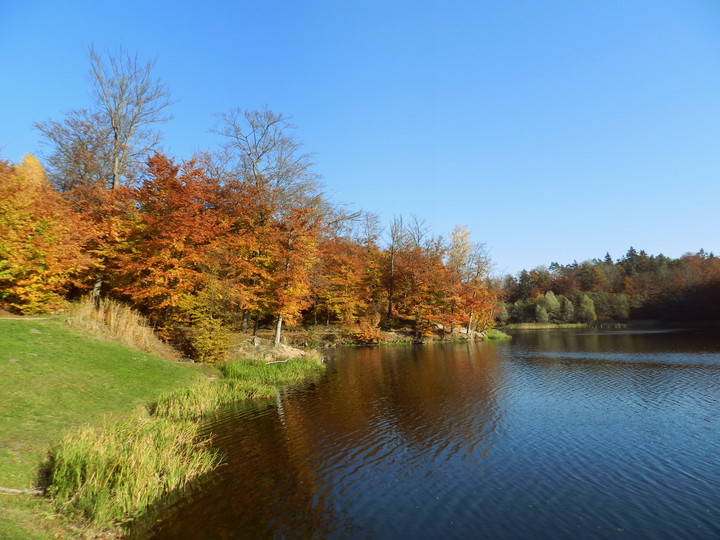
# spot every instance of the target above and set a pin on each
(555, 434)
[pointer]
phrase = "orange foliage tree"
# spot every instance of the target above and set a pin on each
(294, 241)
(348, 283)
(160, 266)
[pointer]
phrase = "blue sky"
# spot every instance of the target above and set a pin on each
(554, 130)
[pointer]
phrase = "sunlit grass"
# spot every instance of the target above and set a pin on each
(495, 334)
(114, 473)
(243, 379)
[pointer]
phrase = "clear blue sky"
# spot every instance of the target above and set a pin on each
(555, 130)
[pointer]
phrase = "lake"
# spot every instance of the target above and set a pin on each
(556, 434)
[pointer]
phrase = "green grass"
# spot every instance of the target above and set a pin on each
(113, 474)
(242, 379)
(495, 334)
(53, 380)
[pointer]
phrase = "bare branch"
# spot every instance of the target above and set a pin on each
(259, 148)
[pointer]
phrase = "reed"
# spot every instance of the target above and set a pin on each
(113, 474)
(243, 379)
(274, 374)
(205, 397)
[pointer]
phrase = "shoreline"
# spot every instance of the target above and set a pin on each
(67, 379)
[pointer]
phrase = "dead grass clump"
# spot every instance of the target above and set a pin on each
(117, 322)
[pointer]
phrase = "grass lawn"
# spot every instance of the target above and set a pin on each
(51, 380)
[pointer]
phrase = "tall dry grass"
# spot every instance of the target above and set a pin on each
(118, 322)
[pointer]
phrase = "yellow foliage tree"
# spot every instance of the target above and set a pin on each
(41, 240)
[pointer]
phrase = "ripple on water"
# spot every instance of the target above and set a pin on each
(519, 441)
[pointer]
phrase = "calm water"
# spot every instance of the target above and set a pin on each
(557, 434)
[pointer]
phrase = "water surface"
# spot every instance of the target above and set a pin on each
(556, 434)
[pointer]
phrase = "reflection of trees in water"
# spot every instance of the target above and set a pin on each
(377, 411)
(619, 340)
(261, 491)
(652, 370)
(387, 413)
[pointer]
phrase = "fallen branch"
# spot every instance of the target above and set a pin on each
(20, 491)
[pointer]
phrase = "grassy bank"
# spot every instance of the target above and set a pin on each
(116, 418)
(115, 473)
(53, 380)
(495, 335)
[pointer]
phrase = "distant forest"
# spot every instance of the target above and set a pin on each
(636, 286)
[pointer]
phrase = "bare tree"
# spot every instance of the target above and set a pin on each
(398, 238)
(417, 231)
(260, 148)
(80, 150)
(130, 100)
(109, 143)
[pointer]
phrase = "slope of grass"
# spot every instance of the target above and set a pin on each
(52, 380)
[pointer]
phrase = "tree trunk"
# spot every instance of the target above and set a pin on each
(469, 326)
(278, 330)
(97, 289)
(391, 284)
(116, 170)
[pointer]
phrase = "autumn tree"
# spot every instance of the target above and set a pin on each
(261, 149)
(295, 251)
(470, 263)
(42, 241)
(160, 267)
(416, 278)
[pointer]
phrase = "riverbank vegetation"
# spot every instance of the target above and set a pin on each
(113, 474)
(635, 287)
(496, 335)
(242, 379)
(53, 380)
(70, 395)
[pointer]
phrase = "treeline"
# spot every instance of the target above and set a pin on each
(636, 286)
(232, 239)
